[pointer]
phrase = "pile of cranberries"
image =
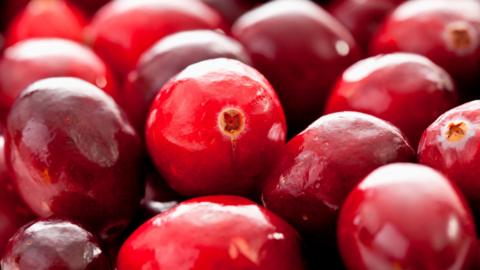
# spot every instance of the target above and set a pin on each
(239, 135)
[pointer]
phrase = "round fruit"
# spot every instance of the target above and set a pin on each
(321, 165)
(450, 145)
(217, 127)
(407, 90)
(230, 10)
(446, 33)
(362, 18)
(54, 244)
(35, 59)
(122, 30)
(219, 232)
(167, 58)
(46, 18)
(406, 216)
(301, 49)
(74, 155)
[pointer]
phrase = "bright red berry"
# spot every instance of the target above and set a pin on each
(406, 216)
(217, 127)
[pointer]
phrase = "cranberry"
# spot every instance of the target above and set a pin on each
(406, 216)
(34, 59)
(13, 213)
(74, 154)
(219, 232)
(407, 90)
(215, 128)
(362, 18)
(321, 165)
(230, 10)
(450, 145)
(47, 18)
(54, 244)
(167, 58)
(122, 30)
(301, 49)
(447, 33)
(9, 9)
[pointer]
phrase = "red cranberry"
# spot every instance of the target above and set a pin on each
(9, 9)
(167, 58)
(321, 165)
(13, 213)
(362, 18)
(47, 18)
(219, 232)
(447, 33)
(122, 30)
(407, 90)
(301, 49)
(406, 216)
(31, 60)
(230, 10)
(450, 145)
(74, 154)
(52, 245)
(215, 128)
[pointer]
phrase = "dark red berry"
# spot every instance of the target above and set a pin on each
(122, 30)
(215, 128)
(54, 244)
(407, 90)
(301, 49)
(73, 154)
(219, 232)
(321, 165)
(406, 216)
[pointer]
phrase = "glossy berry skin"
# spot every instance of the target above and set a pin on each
(406, 216)
(54, 244)
(35, 59)
(216, 128)
(407, 90)
(46, 18)
(447, 34)
(450, 145)
(90, 6)
(301, 49)
(122, 30)
(13, 213)
(321, 165)
(362, 18)
(73, 154)
(167, 58)
(218, 232)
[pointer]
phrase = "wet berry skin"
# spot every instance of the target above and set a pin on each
(167, 58)
(407, 90)
(362, 18)
(215, 128)
(406, 216)
(450, 145)
(54, 244)
(35, 59)
(301, 49)
(13, 212)
(122, 30)
(321, 165)
(46, 18)
(73, 154)
(447, 34)
(187, 237)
